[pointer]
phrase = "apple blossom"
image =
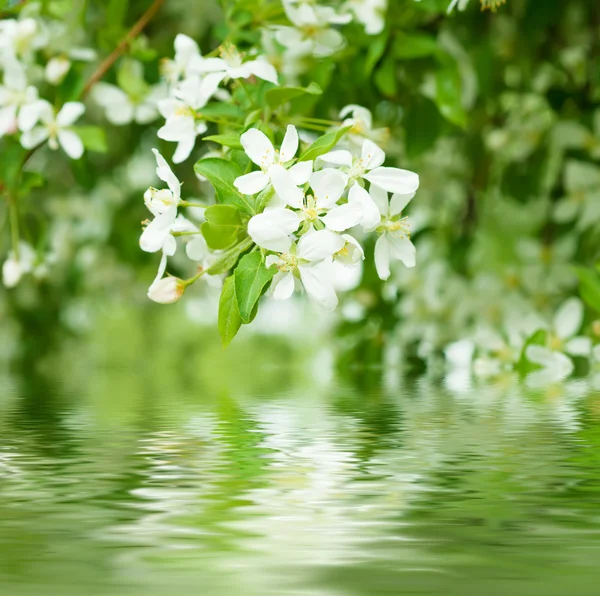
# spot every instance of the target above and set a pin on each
(55, 128)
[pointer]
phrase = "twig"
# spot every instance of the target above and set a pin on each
(131, 35)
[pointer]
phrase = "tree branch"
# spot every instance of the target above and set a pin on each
(131, 35)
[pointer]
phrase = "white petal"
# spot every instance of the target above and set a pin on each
(382, 257)
(399, 202)
(164, 172)
(185, 48)
(343, 217)
(272, 229)
(258, 147)
(155, 233)
(402, 249)
(28, 117)
(71, 143)
(317, 282)
(283, 285)
(568, 319)
(394, 180)
(8, 119)
(284, 186)
(380, 197)
(340, 157)
(328, 186)
(32, 138)
(579, 346)
(372, 156)
(289, 145)
(320, 245)
(251, 183)
(371, 216)
(183, 150)
(262, 69)
(196, 249)
(69, 113)
(540, 355)
(301, 171)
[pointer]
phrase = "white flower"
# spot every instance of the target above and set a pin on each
(371, 13)
(56, 69)
(394, 232)
(272, 228)
(260, 150)
(182, 124)
(16, 101)
(166, 290)
(310, 262)
(232, 66)
(163, 205)
(361, 120)
(368, 167)
(562, 341)
(18, 38)
(186, 53)
(14, 268)
(55, 128)
(311, 33)
(121, 108)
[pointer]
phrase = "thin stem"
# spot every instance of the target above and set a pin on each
(123, 45)
(14, 223)
(189, 204)
(177, 234)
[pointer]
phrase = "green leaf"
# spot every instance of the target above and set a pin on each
(229, 316)
(221, 174)
(280, 95)
(229, 258)
(223, 226)
(93, 138)
(415, 45)
(448, 96)
(324, 144)
(228, 140)
(589, 287)
(251, 276)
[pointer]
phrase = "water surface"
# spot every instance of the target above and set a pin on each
(121, 481)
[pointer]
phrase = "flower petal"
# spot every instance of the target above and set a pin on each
(568, 318)
(372, 156)
(301, 171)
(402, 249)
(289, 145)
(340, 157)
(343, 217)
(272, 229)
(71, 143)
(328, 186)
(382, 257)
(164, 172)
(370, 217)
(316, 280)
(284, 186)
(258, 148)
(319, 245)
(69, 113)
(283, 285)
(251, 183)
(394, 180)
(399, 202)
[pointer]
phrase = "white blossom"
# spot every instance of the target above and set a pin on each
(55, 128)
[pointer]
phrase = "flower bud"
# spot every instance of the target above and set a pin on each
(166, 290)
(57, 69)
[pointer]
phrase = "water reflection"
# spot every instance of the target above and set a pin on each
(124, 478)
